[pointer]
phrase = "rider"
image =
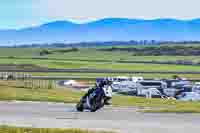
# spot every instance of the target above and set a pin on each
(98, 86)
(102, 84)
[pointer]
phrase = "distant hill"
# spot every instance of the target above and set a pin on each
(111, 29)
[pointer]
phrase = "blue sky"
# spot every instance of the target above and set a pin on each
(24, 13)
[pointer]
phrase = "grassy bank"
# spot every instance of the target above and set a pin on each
(157, 105)
(97, 75)
(9, 91)
(5, 129)
(12, 90)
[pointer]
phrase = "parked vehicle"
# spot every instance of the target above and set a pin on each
(153, 92)
(142, 87)
(174, 87)
(185, 88)
(95, 98)
(189, 96)
(174, 83)
(123, 86)
(196, 87)
(136, 79)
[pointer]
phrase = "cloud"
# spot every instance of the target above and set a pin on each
(95, 9)
(23, 13)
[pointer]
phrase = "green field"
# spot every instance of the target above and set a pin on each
(102, 65)
(92, 58)
(89, 54)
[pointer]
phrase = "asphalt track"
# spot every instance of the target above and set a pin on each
(124, 120)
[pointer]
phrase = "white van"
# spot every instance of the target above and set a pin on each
(143, 87)
(125, 84)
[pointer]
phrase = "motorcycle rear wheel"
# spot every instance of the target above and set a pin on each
(96, 104)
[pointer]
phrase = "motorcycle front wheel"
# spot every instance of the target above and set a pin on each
(79, 107)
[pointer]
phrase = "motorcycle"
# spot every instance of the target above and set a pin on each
(94, 99)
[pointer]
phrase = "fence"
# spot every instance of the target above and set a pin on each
(25, 80)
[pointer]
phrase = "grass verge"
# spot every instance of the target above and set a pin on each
(5, 129)
(8, 91)
(157, 105)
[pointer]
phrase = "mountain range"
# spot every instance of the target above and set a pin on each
(109, 29)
